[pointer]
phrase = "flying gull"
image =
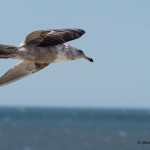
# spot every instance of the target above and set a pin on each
(38, 50)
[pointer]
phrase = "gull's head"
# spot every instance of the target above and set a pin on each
(80, 54)
(75, 53)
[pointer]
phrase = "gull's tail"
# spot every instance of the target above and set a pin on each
(7, 51)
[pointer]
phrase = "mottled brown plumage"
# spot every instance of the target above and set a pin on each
(45, 38)
(38, 50)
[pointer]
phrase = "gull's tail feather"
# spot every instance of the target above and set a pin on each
(7, 51)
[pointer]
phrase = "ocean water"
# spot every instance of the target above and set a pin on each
(74, 129)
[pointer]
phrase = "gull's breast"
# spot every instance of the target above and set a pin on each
(60, 57)
(50, 54)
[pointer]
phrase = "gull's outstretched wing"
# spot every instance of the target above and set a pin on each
(45, 38)
(20, 71)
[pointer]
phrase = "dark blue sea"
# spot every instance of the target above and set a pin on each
(74, 129)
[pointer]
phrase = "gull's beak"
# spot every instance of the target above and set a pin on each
(89, 59)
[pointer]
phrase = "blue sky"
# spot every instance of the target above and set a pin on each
(117, 38)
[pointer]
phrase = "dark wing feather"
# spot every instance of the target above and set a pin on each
(45, 38)
(20, 71)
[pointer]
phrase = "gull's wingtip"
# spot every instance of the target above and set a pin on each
(82, 31)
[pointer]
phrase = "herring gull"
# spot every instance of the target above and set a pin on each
(38, 50)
